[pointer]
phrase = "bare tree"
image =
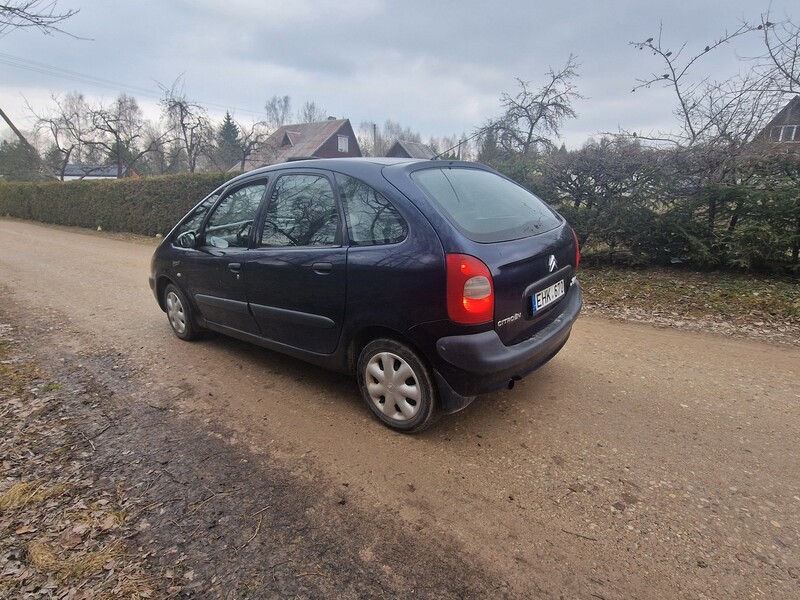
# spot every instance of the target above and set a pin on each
(119, 131)
(718, 120)
(311, 113)
(37, 14)
(278, 109)
(189, 121)
(251, 139)
(780, 62)
(78, 132)
(366, 135)
(532, 117)
(165, 155)
(709, 112)
(455, 147)
(66, 127)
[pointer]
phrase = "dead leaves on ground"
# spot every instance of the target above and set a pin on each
(61, 535)
(724, 303)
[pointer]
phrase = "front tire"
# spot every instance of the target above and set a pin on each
(397, 386)
(179, 314)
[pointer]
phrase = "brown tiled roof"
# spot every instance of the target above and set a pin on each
(305, 140)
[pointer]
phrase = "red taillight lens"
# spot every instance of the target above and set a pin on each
(470, 297)
(577, 251)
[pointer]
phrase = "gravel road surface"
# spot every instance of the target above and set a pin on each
(640, 463)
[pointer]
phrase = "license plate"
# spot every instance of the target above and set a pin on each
(547, 296)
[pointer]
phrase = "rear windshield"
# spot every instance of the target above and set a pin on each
(484, 206)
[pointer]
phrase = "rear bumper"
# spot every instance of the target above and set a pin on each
(480, 363)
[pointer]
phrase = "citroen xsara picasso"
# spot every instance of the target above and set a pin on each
(431, 281)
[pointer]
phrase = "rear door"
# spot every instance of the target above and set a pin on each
(295, 277)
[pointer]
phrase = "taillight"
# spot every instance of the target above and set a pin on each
(577, 251)
(470, 297)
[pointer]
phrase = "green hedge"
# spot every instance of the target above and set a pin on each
(147, 205)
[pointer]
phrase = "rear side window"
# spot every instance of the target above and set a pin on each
(371, 218)
(485, 207)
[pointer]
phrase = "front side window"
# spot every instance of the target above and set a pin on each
(230, 223)
(485, 207)
(195, 219)
(301, 212)
(371, 218)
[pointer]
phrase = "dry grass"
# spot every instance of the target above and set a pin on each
(42, 557)
(16, 376)
(22, 494)
(77, 572)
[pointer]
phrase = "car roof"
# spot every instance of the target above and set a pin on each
(354, 166)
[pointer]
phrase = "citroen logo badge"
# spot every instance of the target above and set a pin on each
(552, 265)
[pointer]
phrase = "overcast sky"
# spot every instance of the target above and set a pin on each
(436, 66)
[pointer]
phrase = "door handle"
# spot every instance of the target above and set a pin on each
(322, 268)
(234, 267)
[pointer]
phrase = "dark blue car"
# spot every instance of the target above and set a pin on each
(431, 281)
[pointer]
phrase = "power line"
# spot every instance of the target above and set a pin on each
(44, 68)
(53, 71)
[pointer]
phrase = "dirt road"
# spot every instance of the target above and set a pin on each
(640, 463)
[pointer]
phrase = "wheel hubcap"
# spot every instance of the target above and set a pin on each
(393, 387)
(177, 318)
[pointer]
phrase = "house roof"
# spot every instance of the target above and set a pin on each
(88, 170)
(403, 149)
(789, 116)
(296, 141)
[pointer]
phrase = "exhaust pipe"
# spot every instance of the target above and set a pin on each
(512, 381)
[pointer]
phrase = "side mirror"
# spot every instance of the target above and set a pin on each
(187, 239)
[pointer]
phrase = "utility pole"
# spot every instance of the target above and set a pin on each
(15, 130)
(25, 142)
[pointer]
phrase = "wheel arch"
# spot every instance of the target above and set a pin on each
(365, 335)
(161, 284)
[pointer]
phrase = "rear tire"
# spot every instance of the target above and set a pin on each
(179, 314)
(397, 386)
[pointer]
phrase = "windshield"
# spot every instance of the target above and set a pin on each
(484, 206)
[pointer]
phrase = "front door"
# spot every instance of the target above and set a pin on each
(215, 277)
